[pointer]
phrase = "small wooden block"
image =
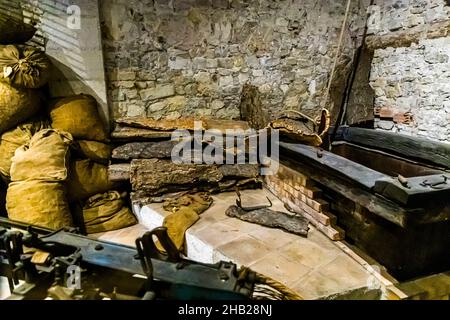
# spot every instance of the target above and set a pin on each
(333, 232)
(318, 216)
(319, 205)
(311, 193)
(40, 257)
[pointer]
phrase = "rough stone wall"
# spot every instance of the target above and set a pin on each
(412, 84)
(168, 59)
(396, 15)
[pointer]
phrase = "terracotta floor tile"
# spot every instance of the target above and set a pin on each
(308, 253)
(273, 238)
(280, 268)
(315, 285)
(244, 250)
(346, 272)
(218, 234)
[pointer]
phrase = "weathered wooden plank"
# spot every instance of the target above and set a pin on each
(144, 150)
(223, 125)
(272, 219)
(363, 175)
(119, 172)
(142, 197)
(383, 161)
(137, 134)
(183, 124)
(158, 125)
(405, 38)
(240, 170)
(158, 176)
(417, 148)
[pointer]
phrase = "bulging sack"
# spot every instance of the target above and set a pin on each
(95, 151)
(86, 179)
(107, 212)
(45, 157)
(17, 105)
(39, 203)
(13, 30)
(12, 140)
(79, 116)
(3, 189)
(24, 66)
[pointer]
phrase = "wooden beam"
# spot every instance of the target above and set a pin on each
(360, 174)
(144, 150)
(161, 125)
(380, 206)
(123, 133)
(416, 148)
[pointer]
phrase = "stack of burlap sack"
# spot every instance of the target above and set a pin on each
(53, 154)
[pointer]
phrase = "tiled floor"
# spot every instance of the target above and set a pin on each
(314, 266)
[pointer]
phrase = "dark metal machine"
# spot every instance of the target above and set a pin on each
(65, 265)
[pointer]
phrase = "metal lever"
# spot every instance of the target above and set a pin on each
(150, 250)
(147, 251)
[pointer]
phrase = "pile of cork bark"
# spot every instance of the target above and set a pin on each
(143, 156)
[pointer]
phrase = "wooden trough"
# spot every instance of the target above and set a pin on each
(389, 192)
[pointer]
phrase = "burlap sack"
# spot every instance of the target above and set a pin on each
(24, 66)
(88, 178)
(95, 151)
(13, 30)
(107, 212)
(186, 212)
(17, 105)
(44, 159)
(79, 116)
(39, 203)
(3, 189)
(10, 141)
